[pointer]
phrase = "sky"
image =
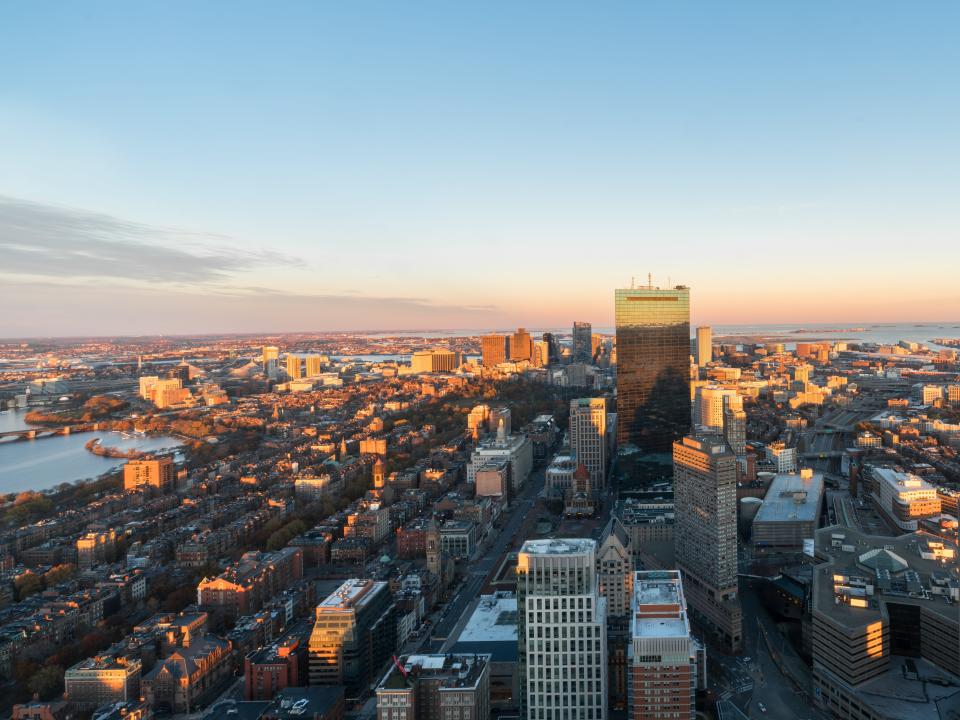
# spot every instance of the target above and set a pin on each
(186, 167)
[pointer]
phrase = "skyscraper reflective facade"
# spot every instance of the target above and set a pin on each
(582, 340)
(653, 366)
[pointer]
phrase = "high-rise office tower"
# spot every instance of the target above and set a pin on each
(354, 634)
(495, 349)
(270, 352)
(596, 347)
(705, 532)
(615, 568)
(704, 345)
(554, 346)
(582, 341)
(561, 631)
(711, 401)
(735, 429)
(520, 345)
(314, 365)
(588, 437)
(653, 366)
(434, 361)
(541, 354)
(664, 657)
(294, 366)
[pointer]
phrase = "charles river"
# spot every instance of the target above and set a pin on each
(47, 462)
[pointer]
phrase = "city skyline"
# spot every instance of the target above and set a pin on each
(329, 168)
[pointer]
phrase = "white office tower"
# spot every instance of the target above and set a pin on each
(562, 636)
(712, 400)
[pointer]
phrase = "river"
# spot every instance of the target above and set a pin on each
(45, 463)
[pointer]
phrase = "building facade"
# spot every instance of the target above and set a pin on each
(582, 342)
(101, 680)
(562, 640)
(156, 473)
(436, 687)
(353, 635)
(664, 659)
(494, 349)
(588, 437)
(653, 366)
(704, 345)
(705, 532)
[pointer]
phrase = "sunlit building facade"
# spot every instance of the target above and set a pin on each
(294, 366)
(588, 437)
(653, 366)
(704, 345)
(494, 349)
(520, 345)
(354, 634)
(153, 473)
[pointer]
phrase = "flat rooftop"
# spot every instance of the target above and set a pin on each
(351, 594)
(901, 481)
(566, 546)
(849, 552)
(493, 620)
(904, 691)
(659, 588)
(791, 498)
(453, 671)
(660, 627)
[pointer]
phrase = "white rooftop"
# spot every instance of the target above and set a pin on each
(494, 620)
(657, 592)
(660, 627)
(565, 546)
(351, 594)
(427, 662)
(791, 497)
(902, 480)
(659, 587)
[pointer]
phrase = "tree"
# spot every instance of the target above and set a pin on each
(58, 573)
(27, 584)
(179, 599)
(47, 682)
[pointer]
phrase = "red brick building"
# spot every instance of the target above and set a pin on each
(271, 669)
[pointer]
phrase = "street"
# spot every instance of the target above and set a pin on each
(481, 568)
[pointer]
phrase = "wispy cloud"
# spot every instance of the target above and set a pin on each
(37, 307)
(52, 241)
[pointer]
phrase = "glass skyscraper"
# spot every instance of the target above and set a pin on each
(653, 366)
(582, 338)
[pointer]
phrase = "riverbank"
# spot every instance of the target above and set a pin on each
(65, 459)
(98, 448)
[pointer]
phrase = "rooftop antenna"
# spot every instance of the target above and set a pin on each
(632, 283)
(650, 281)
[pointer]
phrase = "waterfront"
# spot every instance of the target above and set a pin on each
(922, 332)
(45, 463)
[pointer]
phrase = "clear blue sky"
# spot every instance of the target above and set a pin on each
(221, 166)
